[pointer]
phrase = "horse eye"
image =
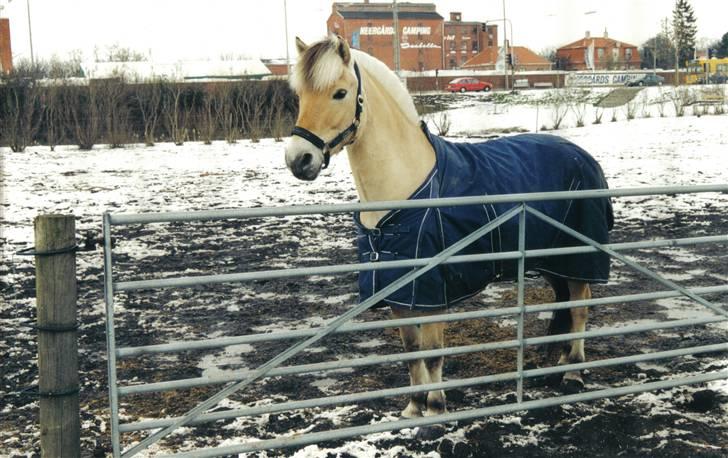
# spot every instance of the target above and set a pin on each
(340, 94)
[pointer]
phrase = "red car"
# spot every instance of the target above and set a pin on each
(468, 84)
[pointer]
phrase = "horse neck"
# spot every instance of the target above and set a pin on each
(392, 157)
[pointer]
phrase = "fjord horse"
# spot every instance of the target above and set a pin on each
(348, 99)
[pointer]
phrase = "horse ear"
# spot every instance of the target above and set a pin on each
(344, 50)
(301, 46)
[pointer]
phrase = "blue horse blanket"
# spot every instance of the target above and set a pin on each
(515, 164)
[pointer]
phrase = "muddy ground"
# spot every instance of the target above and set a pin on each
(679, 422)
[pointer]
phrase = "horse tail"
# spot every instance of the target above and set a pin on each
(610, 215)
(561, 319)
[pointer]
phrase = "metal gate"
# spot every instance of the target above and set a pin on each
(307, 337)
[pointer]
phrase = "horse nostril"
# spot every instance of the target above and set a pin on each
(306, 160)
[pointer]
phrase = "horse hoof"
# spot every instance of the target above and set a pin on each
(430, 433)
(411, 412)
(553, 380)
(572, 386)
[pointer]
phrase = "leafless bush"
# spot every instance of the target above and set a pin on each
(148, 99)
(52, 99)
(251, 102)
(598, 113)
(631, 109)
(579, 109)
(175, 112)
(205, 116)
(442, 122)
(280, 123)
(681, 97)
(223, 98)
(645, 106)
(21, 113)
(559, 110)
(82, 113)
(660, 102)
(112, 97)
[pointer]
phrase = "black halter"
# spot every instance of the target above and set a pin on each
(349, 131)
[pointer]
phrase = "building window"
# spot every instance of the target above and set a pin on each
(453, 64)
(615, 54)
(475, 46)
(628, 54)
(452, 45)
(600, 53)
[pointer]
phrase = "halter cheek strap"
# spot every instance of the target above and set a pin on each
(350, 131)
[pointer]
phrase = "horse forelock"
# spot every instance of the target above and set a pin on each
(318, 68)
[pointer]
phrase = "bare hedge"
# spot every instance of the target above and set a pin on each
(117, 112)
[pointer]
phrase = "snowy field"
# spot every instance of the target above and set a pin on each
(646, 151)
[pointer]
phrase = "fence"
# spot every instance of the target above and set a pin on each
(521, 208)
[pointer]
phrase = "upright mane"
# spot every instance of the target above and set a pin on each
(321, 65)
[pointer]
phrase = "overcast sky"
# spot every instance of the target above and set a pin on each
(183, 29)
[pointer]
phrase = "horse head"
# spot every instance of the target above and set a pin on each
(328, 86)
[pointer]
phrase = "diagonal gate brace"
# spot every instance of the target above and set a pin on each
(655, 276)
(333, 326)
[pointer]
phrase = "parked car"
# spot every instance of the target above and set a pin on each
(650, 79)
(468, 84)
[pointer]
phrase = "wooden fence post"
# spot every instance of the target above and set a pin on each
(55, 267)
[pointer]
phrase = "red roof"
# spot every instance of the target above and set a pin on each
(489, 56)
(599, 42)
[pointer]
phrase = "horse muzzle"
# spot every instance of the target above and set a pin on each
(304, 161)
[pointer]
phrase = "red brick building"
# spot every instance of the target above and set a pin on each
(464, 40)
(6, 55)
(605, 53)
(369, 27)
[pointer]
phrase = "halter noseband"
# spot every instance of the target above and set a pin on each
(319, 143)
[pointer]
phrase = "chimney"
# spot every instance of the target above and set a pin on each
(606, 35)
(587, 35)
(6, 56)
(455, 16)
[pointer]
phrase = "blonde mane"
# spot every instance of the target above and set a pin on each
(389, 80)
(321, 65)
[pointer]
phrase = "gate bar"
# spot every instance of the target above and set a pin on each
(395, 357)
(401, 391)
(521, 299)
(311, 438)
(183, 282)
(111, 338)
(335, 324)
(633, 264)
(212, 215)
(203, 344)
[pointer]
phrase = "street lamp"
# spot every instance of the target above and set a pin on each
(510, 45)
(30, 33)
(288, 56)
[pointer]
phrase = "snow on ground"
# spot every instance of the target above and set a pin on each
(652, 151)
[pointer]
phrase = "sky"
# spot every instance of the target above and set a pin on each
(172, 30)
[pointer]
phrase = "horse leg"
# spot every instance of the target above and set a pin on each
(412, 341)
(561, 320)
(572, 381)
(433, 337)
